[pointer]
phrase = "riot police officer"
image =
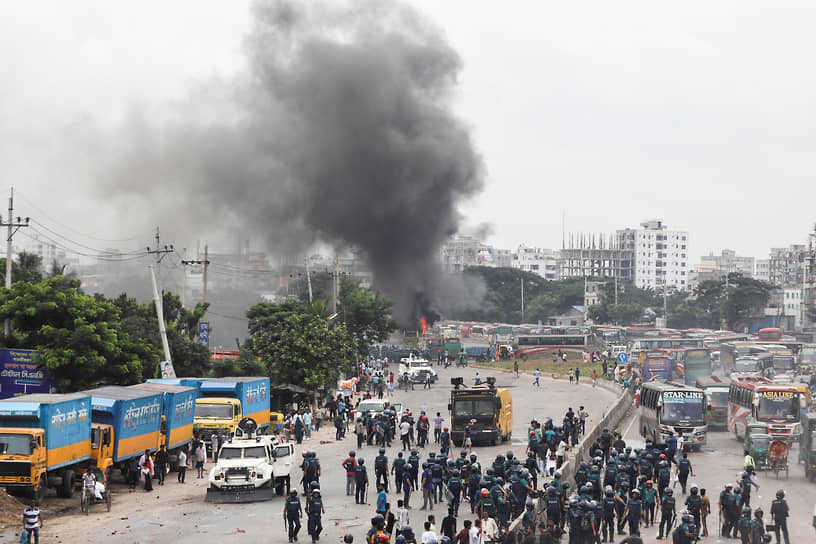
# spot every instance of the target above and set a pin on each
(779, 515)
(315, 511)
(668, 511)
(292, 512)
(381, 469)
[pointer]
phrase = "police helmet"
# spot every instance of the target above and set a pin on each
(509, 454)
(628, 449)
(529, 505)
(425, 464)
(530, 453)
(361, 462)
(352, 453)
(613, 452)
(455, 473)
(407, 530)
(565, 485)
(293, 492)
(400, 539)
(583, 505)
(382, 451)
(313, 484)
(463, 454)
(694, 489)
(316, 491)
(668, 491)
(444, 540)
(745, 475)
(758, 512)
(472, 457)
(582, 465)
(632, 457)
(348, 539)
(595, 469)
(609, 492)
(500, 480)
(729, 486)
(557, 474)
(573, 500)
(593, 504)
(551, 491)
(636, 491)
(746, 511)
(686, 518)
(499, 458)
(525, 473)
(780, 494)
(489, 471)
(414, 452)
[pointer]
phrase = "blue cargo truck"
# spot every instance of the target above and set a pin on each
(128, 422)
(178, 408)
(224, 402)
(45, 441)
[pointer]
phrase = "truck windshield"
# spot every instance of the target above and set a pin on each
(718, 398)
(783, 363)
(215, 411)
(15, 444)
(746, 365)
(478, 407)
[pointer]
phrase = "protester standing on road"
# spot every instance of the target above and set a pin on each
(133, 473)
(537, 375)
(594, 377)
(182, 464)
(577, 375)
(350, 465)
(162, 459)
(515, 367)
(214, 442)
(200, 457)
(437, 427)
(146, 464)
(32, 521)
(307, 423)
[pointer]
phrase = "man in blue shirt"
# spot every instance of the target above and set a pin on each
(671, 448)
(381, 499)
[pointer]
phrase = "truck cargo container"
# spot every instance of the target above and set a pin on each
(45, 441)
(131, 416)
(178, 407)
(224, 402)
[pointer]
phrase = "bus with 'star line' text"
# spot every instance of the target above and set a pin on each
(669, 408)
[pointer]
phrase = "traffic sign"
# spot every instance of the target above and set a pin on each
(622, 357)
(204, 333)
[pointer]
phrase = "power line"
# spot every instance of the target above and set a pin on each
(55, 233)
(63, 225)
(103, 257)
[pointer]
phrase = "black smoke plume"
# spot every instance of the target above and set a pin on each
(343, 133)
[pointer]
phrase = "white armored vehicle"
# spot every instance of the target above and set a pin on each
(417, 369)
(251, 467)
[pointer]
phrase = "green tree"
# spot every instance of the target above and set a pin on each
(26, 268)
(366, 315)
(296, 346)
(79, 338)
(632, 303)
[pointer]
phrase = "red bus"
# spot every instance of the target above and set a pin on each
(770, 335)
(761, 400)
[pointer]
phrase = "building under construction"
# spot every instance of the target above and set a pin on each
(596, 255)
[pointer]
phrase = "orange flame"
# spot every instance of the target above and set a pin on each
(424, 324)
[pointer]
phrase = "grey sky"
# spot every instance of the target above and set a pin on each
(700, 114)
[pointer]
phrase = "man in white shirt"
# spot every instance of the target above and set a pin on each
(428, 537)
(400, 516)
(490, 530)
(476, 536)
(560, 453)
(405, 435)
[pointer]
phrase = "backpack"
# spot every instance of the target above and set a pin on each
(729, 500)
(381, 463)
(694, 503)
(684, 465)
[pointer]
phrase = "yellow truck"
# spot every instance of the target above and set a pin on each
(487, 410)
(223, 402)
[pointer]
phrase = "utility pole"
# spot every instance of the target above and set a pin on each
(201, 262)
(335, 285)
(13, 227)
(522, 301)
(309, 278)
(160, 252)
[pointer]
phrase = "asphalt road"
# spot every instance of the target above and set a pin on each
(719, 462)
(178, 513)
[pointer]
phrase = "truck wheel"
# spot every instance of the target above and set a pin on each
(68, 481)
(39, 492)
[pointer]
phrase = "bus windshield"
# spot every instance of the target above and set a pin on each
(784, 407)
(782, 363)
(683, 408)
(477, 407)
(718, 398)
(808, 356)
(746, 365)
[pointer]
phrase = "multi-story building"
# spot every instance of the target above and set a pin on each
(786, 265)
(463, 251)
(660, 255)
(762, 270)
(590, 256)
(541, 261)
(716, 267)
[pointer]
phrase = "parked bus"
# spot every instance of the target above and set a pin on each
(784, 362)
(761, 400)
(716, 391)
(657, 365)
(770, 335)
(673, 407)
(648, 344)
(539, 343)
(731, 351)
(696, 363)
(807, 357)
(752, 366)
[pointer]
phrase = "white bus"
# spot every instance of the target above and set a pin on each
(673, 407)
